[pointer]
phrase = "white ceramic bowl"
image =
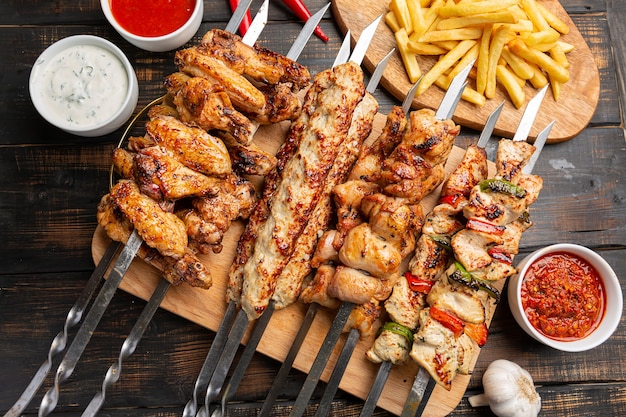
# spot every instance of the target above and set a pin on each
(613, 291)
(113, 96)
(163, 43)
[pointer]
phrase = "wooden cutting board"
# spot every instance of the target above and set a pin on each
(572, 112)
(206, 308)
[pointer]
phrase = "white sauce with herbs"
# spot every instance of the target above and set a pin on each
(83, 85)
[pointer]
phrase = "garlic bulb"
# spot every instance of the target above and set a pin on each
(509, 391)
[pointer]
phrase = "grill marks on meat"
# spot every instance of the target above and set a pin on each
(454, 321)
(289, 282)
(376, 230)
(192, 146)
(158, 229)
(257, 62)
(202, 103)
(260, 83)
(323, 125)
(430, 259)
(188, 269)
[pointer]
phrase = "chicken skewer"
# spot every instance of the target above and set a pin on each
(92, 319)
(223, 331)
(132, 340)
(415, 403)
(290, 289)
(404, 304)
(256, 247)
(446, 109)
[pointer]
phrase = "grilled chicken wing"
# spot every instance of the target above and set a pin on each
(243, 94)
(159, 229)
(188, 269)
(162, 177)
(202, 103)
(192, 146)
(258, 63)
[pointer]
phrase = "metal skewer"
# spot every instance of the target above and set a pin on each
(71, 358)
(423, 384)
(59, 343)
(217, 380)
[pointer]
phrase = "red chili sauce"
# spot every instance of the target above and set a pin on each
(152, 18)
(563, 297)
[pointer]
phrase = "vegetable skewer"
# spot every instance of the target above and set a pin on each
(407, 293)
(415, 401)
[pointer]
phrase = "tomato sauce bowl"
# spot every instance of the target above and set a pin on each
(155, 25)
(566, 296)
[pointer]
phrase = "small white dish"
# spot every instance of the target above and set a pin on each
(163, 43)
(84, 85)
(613, 299)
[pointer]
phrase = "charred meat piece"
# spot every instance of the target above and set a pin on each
(256, 62)
(201, 103)
(323, 124)
(188, 269)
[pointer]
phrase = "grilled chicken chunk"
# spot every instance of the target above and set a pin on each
(467, 304)
(160, 230)
(436, 349)
(369, 165)
(323, 124)
(414, 168)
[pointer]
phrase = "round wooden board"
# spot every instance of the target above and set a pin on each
(576, 106)
(207, 307)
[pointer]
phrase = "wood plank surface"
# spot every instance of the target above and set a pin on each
(50, 184)
(572, 112)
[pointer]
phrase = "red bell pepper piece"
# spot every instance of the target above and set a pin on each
(447, 320)
(500, 255)
(417, 284)
(477, 332)
(247, 19)
(298, 7)
(485, 227)
(452, 199)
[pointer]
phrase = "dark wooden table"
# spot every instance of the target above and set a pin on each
(51, 182)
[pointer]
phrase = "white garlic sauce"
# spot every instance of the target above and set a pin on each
(83, 85)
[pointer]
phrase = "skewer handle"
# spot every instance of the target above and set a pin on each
(60, 341)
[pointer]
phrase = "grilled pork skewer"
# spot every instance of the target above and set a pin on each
(277, 203)
(385, 219)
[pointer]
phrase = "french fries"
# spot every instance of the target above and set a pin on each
(512, 42)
